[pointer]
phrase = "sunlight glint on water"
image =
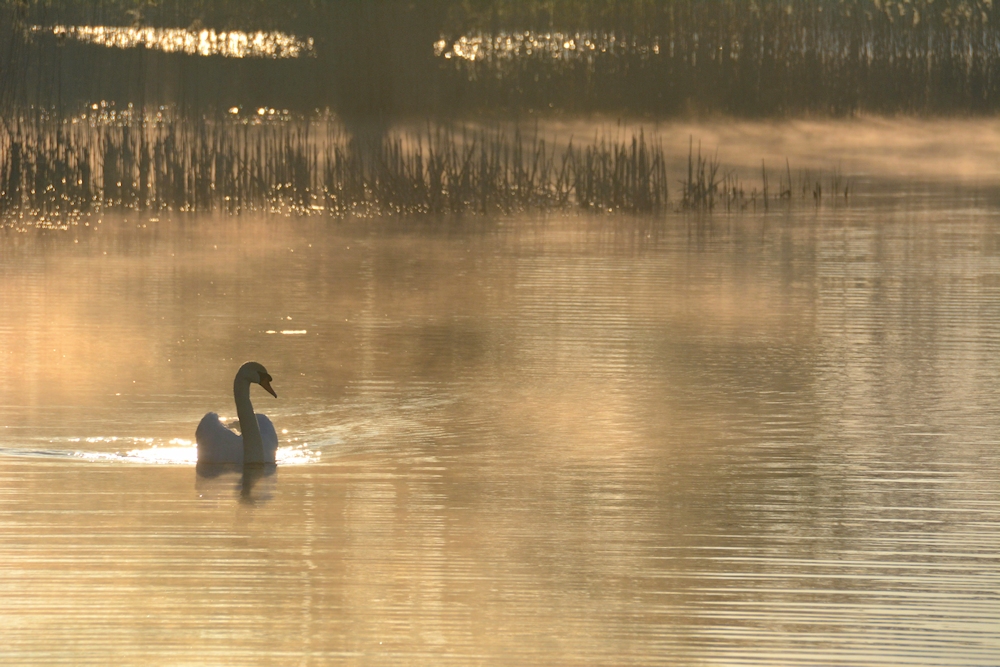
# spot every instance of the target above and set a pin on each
(203, 42)
(570, 440)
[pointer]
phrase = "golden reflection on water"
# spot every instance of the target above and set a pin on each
(509, 46)
(756, 439)
(204, 42)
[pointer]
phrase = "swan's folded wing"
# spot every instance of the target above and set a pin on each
(216, 443)
(268, 435)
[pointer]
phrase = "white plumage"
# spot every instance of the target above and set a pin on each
(259, 440)
(217, 443)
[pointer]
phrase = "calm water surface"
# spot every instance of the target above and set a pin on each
(554, 441)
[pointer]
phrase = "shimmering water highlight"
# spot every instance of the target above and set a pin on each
(203, 42)
(574, 440)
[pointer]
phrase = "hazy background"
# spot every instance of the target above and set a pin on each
(747, 58)
(619, 430)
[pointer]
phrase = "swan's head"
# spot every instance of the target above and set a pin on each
(251, 371)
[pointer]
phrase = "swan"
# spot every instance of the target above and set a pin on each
(259, 442)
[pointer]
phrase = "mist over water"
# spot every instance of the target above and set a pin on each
(764, 439)
(598, 336)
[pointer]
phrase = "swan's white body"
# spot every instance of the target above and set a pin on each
(217, 443)
(258, 442)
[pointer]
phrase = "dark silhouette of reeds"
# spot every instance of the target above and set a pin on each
(376, 58)
(742, 57)
(701, 187)
(56, 169)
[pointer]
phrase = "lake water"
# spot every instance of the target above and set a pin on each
(539, 440)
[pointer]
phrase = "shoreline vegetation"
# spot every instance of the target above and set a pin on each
(333, 82)
(440, 58)
(58, 171)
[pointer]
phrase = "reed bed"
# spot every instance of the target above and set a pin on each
(59, 170)
(440, 58)
(63, 169)
(742, 57)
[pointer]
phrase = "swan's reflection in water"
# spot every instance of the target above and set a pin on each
(254, 481)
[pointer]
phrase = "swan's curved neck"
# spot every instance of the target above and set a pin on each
(253, 444)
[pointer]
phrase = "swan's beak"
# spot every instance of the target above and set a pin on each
(266, 384)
